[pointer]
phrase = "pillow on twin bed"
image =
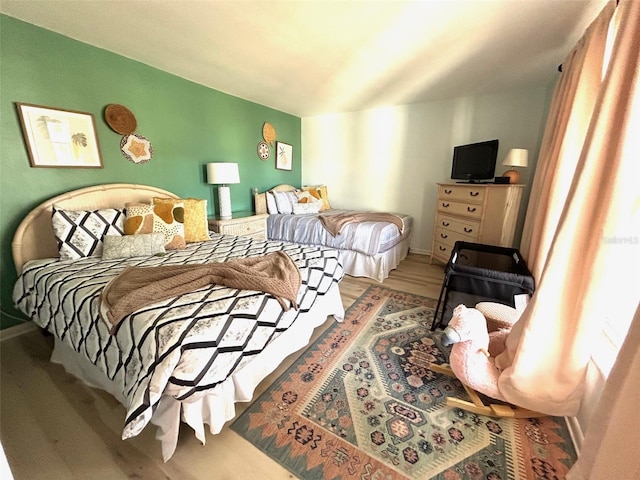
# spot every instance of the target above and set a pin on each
(166, 218)
(144, 244)
(285, 201)
(319, 192)
(80, 232)
(196, 225)
(307, 203)
(272, 208)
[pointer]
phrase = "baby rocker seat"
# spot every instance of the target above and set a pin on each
(471, 362)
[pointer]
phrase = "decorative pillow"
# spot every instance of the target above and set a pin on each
(307, 197)
(167, 219)
(320, 192)
(79, 232)
(144, 244)
(196, 225)
(302, 208)
(272, 208)
(307, 203)
(285, 201)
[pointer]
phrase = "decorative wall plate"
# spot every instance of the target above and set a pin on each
(136, 148)
(263, 150)
(120, 119)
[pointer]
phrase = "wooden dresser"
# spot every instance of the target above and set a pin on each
(480, 213)
(243, 224)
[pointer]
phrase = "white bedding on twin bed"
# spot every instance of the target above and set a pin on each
(191, 357)
(369, 249)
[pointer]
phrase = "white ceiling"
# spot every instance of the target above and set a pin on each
(308, 57)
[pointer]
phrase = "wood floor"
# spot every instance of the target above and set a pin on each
(54, 427)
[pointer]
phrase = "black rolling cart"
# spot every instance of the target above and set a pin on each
(477, 272)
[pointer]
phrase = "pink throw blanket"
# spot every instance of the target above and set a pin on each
(137, 287)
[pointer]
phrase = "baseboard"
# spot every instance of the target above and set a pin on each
(17, 330)
(419, 251)
(577, 436)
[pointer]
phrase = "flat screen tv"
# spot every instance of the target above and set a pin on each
(474, 162)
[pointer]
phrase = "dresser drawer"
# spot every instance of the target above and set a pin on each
(464, 193)
(449, 237)
(467, 228)
(441, 251)
(458, 208)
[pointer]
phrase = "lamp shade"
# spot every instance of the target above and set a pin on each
(222, 173)
(517, 157)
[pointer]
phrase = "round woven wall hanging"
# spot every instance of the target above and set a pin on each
(268, 133)
(136, 148)
(120, 119)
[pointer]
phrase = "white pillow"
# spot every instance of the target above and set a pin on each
(272, 208)
(141, 244)
(302, 208)
(285, 201)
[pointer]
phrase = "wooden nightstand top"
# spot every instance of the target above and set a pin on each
(244, 224)
(237, 216)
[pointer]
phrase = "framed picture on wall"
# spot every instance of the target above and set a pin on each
(59, 138)
(284, 156)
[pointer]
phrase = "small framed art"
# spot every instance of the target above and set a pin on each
(284, 156)
(59, 138)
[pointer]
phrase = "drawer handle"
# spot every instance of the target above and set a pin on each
(448, 192)
(474, 194)
(442, 249)
(445, 205)
(443, 235)
(445, 224)
(471, 209)
(468, 230)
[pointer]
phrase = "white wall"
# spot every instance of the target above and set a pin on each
(389, 159)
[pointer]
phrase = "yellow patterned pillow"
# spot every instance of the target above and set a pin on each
(167, 219)
(196, 226)
(320, 192)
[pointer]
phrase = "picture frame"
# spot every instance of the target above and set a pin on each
(59, 138)
(284, 156)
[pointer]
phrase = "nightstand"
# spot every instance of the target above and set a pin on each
(243, 224)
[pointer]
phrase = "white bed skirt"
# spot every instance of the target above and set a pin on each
(217, 408)
(377, 267)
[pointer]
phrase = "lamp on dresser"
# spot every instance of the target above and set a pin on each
(223, 174)
(517, 157)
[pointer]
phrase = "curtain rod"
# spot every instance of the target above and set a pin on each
(560, 66)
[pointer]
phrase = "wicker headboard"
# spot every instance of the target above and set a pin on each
(260, 199)
(34, 237)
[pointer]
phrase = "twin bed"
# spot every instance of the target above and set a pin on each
(187, 358)
(368, 249)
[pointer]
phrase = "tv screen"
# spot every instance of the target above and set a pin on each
(475, 161)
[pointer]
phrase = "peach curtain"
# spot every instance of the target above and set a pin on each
(585, 251)
(610, 448)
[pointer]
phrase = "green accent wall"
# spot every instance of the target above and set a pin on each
(188, 125)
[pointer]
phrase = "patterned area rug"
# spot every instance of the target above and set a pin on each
(361, 403)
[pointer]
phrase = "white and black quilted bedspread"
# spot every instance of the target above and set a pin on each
(182, 346)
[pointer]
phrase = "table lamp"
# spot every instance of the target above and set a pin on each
(222, 174)
(517, 157)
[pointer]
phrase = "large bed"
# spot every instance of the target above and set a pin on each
(368, 249)
(184, 359)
